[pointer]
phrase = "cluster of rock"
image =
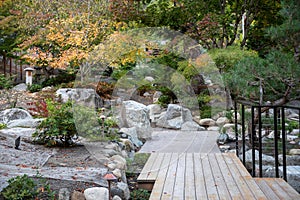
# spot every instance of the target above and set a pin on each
(268, 162)
(19, 122)
(134, 114)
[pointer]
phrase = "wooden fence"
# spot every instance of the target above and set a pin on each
(12, 68)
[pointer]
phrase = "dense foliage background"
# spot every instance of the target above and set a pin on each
(257, 40)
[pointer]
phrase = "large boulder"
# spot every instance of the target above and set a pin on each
(191, 126)
(96, 193)
(25, 123)
(20, 87)
(266, 160)
(154, 112)
(174, 117)
(14, 114)
(134, 114)
(85, 96)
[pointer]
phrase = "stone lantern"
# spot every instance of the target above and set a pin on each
(28, 75)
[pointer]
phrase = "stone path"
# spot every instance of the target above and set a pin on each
(32, 159)
(171, 141)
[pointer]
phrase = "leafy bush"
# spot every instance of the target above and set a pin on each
(5, 83)
(34, 88)
(59, 127)
(2, 126)
(291, 125)
(62, 77)
(23, 187)
(140, 194)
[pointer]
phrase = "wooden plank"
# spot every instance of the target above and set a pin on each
(266, 189)
(218, 177)
(290, 191)
(189, 186)
(244, 172)
(199, 178)
(160, 180)
(147, 168)
(248, 178)
(152, 175)
(211, 188)
(239, 179)
(170, 178)
(180, 176)
(277, 189)
(229, 181)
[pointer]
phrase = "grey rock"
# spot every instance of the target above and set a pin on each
(223, 138)
(132, 133)
(121, 190)
(295, 132)
(222, 120)
(134, 114)
(290, 159)
(85, 96)
(96, 193)
(149, 78)
(207, 122)
(266, 160)
(191, 126)
(116, 198)
(156, 96)
(20, 87)
(173, 111)
(213, 128)
(119, 161)
(64, 194)
(294, 152)
(13, 114)
(174, 117)
(25, 123)
(154, 111)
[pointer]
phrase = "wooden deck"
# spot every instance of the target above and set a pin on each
(207, 176)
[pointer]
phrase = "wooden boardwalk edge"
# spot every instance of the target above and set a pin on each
(207, 176)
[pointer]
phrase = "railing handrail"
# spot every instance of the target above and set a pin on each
(256, 119)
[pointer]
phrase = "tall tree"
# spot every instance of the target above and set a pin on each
(287, 35)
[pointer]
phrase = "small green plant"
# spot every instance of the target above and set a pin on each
(2, 126)
(140, 194)
(24, 187)
(138, 162)
(34, 88)
(5, 83)
(20, 187)
(292, 125)
(59, 127)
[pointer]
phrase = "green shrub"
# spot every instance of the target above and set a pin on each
(5, 83)
(24, 187)
(291, 125)
(62, 77)
(59, 127)
(34, 88)
(140, 194)
(2, 126)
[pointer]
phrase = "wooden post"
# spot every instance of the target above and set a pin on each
(21, 71)
(10, 66)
